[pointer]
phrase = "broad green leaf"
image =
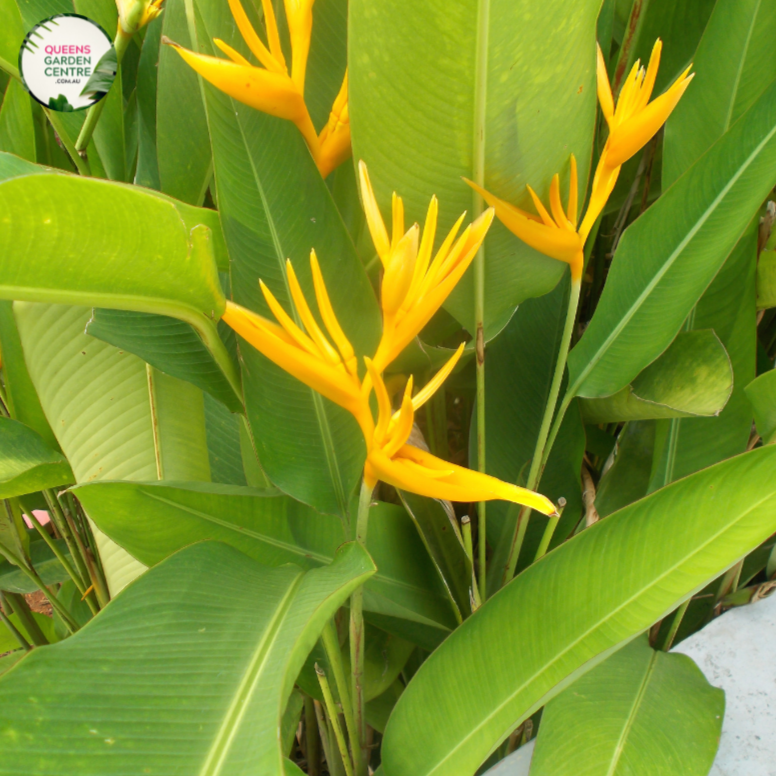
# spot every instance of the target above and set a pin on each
(67, 239)
(10, 660)
(192, 666)
(667, 258)
(182, 142)
(639, 713)
(167, 344)
(766, 280)
(27, 463)
(113, 416)
(49, 569)
(153, 520)
(761, 394)
(23, 402)
(627, 478)
(438, 529)
(727, 306)
(562, 616)
(694, 377)
(290, 721)
(518, 372)
(17, 133)
(8, 641)
(438, 89)
(273, 206)
(734, 63)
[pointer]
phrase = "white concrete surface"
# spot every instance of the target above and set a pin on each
(736, 652)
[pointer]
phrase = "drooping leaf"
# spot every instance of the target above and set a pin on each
(27, 463)
(168, 344)
(438, 90)
(139, 656)
(761, 394)
(575, 616)
(640, 713)
(102, 77)
(667, 258)
(153, 520)
(273, 206)
(694, 377)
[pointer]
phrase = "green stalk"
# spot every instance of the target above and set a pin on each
(59, 520)
(552, 524)
(543, 441)
(312, 738)
(357, 640)
(19, 607)
(331, 645)
(323, 730)
(478, 175)
(77, 581)
(32, 575)
(677, 621)
(331, 708)
(120, 43)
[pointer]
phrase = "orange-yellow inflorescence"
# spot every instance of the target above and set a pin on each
(414, 288)
(271, 88)
(633, 122)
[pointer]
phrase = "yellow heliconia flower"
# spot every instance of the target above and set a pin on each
(327, 364)
(393, 461)
(632, 124)
(134, 14)
(415, 287)
(553, 234)
(271, 89)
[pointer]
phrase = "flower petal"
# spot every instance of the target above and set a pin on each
(373, 218)
(604, 88)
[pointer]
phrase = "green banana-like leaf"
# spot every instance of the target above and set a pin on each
(27, 463)
(734, 63)
(45, 563)
(439, 91)
(113, 416)
(761, 394)
(182, 140)
(766, 280)
(694, 377)
(562, 616)
(153, 520)
(191, 666)
(667, 258)
(275, 206)
(639, 713)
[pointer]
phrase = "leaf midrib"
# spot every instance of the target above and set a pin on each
(636, 306)
(598, 624)
(238, 707)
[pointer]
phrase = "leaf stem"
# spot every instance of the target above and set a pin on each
(120, 43)
(331, 645)
(81, 163)
(357, 639)
(312, 738)
(331, 708)
(675, 623)
(15, 632)
(16, 604)
(544, 442)
(552, 524)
